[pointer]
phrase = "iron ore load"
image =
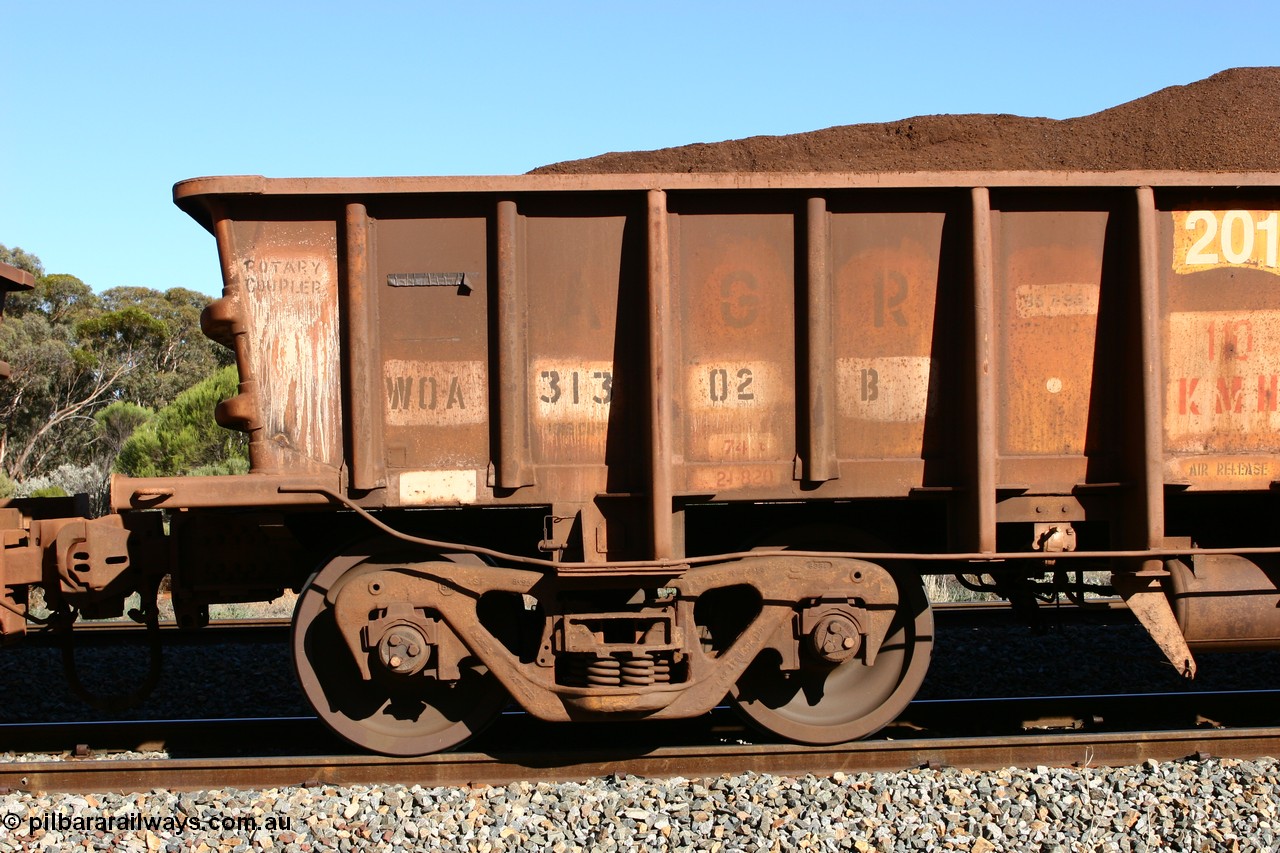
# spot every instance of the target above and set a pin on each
(617, 446)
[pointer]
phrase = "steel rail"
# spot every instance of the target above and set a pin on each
(505, 756)
(923, 717)
(471, 768)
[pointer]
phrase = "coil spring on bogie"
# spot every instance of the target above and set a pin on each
(582, 670)
(603, 672)
(607, 671)
(646, 669)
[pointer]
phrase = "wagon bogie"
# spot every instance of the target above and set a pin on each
(387, 638)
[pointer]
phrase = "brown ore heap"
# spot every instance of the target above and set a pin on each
(1229, 122)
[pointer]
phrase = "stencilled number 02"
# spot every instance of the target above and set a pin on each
(721, 386)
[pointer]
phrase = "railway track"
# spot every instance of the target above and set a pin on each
(1059, 731)
(469, 768)
(975, 733)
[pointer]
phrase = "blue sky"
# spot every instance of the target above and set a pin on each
(109, 104)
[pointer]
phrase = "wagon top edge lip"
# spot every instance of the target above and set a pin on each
(15, 278)
(228, 185)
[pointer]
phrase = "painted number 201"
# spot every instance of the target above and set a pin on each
(1234, 237)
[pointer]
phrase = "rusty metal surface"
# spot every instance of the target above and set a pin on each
(12, 278)
(980, 464)
(359, 588)
(1226, 602)
(735, 378)
(951, 614)
(1146, 598)
(888, 305)
(1050, 269)
(1034, 368)
(660, 376)
(220, 491)
(533, 391)
(1146, 450)
(188, 191)
(280, 309)
(443, 711)
(1221, 339)
(15, 278)
(820, 460)
(362, 378)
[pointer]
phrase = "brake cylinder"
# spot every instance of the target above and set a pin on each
(1226, 602)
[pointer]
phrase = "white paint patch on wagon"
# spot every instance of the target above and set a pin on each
(572, 391)
(435, 393)
(435, 488)
(289, 283)
(887, 389)
(1213, 239)
(1222, 372)
(723, 386)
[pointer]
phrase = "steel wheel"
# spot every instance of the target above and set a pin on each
(389, 714)
(823, 703)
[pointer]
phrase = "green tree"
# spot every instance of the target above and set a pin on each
(59, 298)
(174, 354)
(55, 386)
(73, 353)
(183, 438)
(116, 423)
(53, 382)
(16, 257)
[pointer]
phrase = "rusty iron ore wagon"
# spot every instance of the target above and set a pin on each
(617, 446)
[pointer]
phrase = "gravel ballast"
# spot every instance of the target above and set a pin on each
(1209, 805)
